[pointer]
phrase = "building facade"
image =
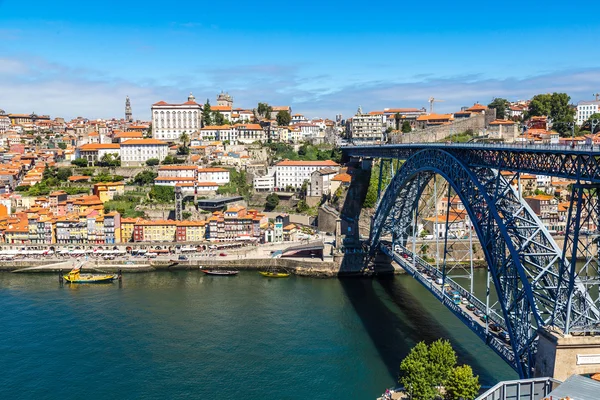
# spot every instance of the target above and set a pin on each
(366, 128)
(136, 152)
(294, 173)
(585, 109)
(170, 121)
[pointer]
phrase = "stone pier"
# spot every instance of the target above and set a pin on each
(560, 356)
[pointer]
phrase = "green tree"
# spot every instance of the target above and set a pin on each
(461, 384)
(80, 162)
(162, 194)
(500, 105)
(302, 207)
(414, 370)
(442, 359)
(206, 114)
(145, 177)
(556, 106)
(283, 118)
(110, 160)
(61, 145)
(587, 125)
(406, 128)
(184, 138)
(152, 162)
(63, 174)
(186, 215)
(169, 159)
(268, 112)
(218, 118)
(397, 118)
(272, 201)
(262, 109)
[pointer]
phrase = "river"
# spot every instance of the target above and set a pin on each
(182, 335)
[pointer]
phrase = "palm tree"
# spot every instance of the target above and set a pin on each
(184, 138)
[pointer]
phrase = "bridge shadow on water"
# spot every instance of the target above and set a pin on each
(396, 320)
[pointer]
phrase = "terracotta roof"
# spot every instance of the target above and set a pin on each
(502, 122)
(477, 107)
(220, 108)
(324, 163)
(134, 134)
(435, 117)
(212, 170)
(177, 167)
(342, 178)
(177, 178)
(131, 142)
(99, 146)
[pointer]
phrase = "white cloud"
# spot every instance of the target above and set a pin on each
(60, 90)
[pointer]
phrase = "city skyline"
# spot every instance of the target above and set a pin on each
(323, 59)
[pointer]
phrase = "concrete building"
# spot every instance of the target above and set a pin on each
(180, 171)
(366, 128)
(265, 183)
(504, 130)
(585, 109)
(169, 121)
(320, 182)
(136, 152)
(250, 133)
(294, 173)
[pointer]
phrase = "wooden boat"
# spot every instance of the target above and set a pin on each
(219, 273)
(75, 276)
(273, 274)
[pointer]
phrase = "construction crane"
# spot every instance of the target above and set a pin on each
(431, 101)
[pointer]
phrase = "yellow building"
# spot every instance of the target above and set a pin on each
(83, 203)
(127, 225)
(191, 231)
(155, 231)
(107, 190)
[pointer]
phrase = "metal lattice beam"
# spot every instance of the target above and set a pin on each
(524, 261)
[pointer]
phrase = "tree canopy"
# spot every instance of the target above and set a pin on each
(145, 177)
(283, 118)
(427, 368)
(162, 194)
(556, 106)
(206, 114)
(272, 201)
(500, 105)
(80, 162)
(406, 128)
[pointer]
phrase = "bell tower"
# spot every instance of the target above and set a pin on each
(128, 115)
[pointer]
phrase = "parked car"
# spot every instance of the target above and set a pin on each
(222, 254)
(182, 258)
(428, 237)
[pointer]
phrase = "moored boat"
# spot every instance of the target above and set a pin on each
(273, 274)
(219, 273)
(75, 276)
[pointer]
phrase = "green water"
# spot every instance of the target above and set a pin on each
(185, 335)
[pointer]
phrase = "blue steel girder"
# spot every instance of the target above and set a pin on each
(523, 259)
(559, 161)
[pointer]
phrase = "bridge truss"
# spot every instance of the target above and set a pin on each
(537, 283)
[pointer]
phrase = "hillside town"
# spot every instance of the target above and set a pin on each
(211, 173)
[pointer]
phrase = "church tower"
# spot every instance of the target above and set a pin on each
(128, 115)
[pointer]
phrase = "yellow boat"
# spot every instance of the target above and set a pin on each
(274, 274)
(75, 276)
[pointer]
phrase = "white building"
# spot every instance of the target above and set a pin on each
(585, 109)
(250, 133)
(169, 121)
(219, 133)
(298, 119)
(308, 130)
(218, 175)
(366, 128)
(225, 111)
(182, 171)
(294, 173)
(135, 152)
(4, 121)
(94, 152)
(265, 183)
(173, 180)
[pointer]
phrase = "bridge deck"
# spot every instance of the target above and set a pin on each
(430, 277)
(580, 162)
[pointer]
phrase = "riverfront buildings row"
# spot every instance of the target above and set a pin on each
(85, 222)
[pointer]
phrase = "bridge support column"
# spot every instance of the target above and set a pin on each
(560, 356)
(178, 203)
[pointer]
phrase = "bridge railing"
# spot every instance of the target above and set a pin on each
(500, 347)
(508, 146)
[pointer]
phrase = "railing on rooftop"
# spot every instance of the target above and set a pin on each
(521, 389)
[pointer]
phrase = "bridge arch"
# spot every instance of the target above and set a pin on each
(499, 218)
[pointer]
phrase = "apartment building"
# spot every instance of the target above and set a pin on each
(294, 173)
(135, 152)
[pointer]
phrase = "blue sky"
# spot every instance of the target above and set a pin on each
(82, 58)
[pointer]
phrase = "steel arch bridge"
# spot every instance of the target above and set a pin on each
(537, 284)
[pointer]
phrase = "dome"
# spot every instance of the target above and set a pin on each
(191, 97)
(2, 112)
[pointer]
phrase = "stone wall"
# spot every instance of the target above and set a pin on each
(476, 123)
